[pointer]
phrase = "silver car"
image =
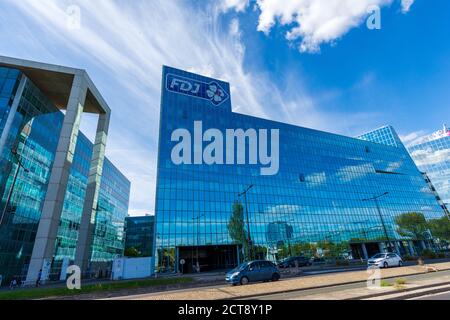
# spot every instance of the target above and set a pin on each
(385, 260)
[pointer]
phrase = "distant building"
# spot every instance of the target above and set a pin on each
(279, 231)
(52, 176)
(431, 154)
(139, 234)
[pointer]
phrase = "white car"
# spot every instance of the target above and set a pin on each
(385, 260)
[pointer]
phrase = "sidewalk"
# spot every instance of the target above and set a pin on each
(307, 282)
(382, 293)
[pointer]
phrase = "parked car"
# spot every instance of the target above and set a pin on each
(385, 260)
(253, 271)
(293, 262)
(318, 261)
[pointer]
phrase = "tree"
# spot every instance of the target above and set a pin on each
(412, 225)
(440, 228)
(237, 230)
(131, 252)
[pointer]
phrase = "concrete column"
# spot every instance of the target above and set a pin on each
(44, 245)
(364, 250)
(411, 248)
(397, 247)
(381, 247)
(87, 224)
(12, 113)
(423, 245)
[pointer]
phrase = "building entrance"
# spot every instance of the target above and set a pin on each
(208, 258)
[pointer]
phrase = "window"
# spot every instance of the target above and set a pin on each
(301, 177)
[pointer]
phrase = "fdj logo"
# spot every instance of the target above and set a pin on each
(211, 91)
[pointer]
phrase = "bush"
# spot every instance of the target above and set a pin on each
(385, 283)
(342, 262)
(409, 258)
(400, 281)
(428, 254)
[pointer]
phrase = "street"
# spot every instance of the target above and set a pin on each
(344, 291)
(440, 296)
(329, 286)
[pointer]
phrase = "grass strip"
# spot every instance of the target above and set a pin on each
(39, 293)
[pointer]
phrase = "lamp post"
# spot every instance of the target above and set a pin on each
(249, 239)
(11, 189)
(198, 234)
(375, 198)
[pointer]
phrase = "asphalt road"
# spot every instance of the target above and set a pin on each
(439, 296)
(303, 293)
(295, 294)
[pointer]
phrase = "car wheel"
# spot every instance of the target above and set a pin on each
(385, 265)
(275, 277)
(244, 281)
(400, 263)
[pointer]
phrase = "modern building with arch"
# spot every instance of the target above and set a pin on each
(62, 201)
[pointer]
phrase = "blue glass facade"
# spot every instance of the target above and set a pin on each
(34, 132)
(432, 156)
(139, 235)
(313, 205)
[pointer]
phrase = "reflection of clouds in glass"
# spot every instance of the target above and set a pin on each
(426, 189)
(317, 177)
(393, 166)
(283, 209)
(426, 157)
(351, 173)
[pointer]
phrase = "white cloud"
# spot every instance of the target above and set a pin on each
(237, 5)
(413, 137)
(123, 49)
(314, 21)
(406, 5)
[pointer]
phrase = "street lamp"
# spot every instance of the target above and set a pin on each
(375, 198)
(249, 239)
(198, 239)
(11, 189)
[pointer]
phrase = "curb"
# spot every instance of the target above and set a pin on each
(421, 294)
(418, 294)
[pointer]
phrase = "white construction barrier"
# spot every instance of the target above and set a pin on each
(132, 268)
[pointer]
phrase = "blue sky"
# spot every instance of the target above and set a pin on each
(312, 63)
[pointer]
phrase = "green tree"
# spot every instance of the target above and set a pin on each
(412, 225)
(440, 228)
(332, 249)
(131, 252)
(236, 228)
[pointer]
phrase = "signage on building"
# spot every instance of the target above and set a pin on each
(211, 91)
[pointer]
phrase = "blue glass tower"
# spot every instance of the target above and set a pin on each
(318, 203)
(432, 156)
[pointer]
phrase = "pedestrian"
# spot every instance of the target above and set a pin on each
(13, 284)
(38, 281)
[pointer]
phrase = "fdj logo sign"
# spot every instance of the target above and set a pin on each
(211, 91)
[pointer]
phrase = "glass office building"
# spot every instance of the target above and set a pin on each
(139, 233)
(214, 216)
(432, 155)
(26, 158)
